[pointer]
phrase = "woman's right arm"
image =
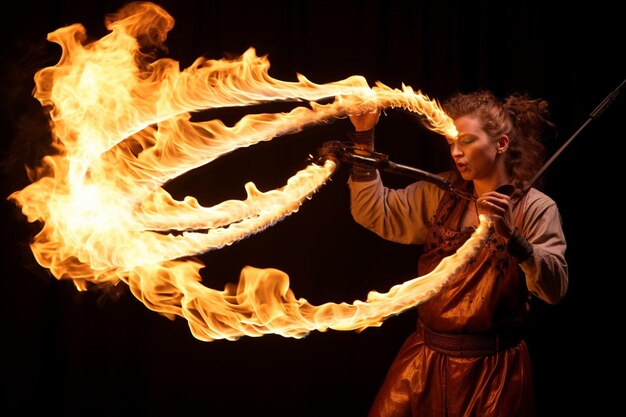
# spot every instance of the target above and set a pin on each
(402, 215)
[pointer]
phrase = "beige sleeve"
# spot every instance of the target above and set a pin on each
(546, 270)
(399, 215)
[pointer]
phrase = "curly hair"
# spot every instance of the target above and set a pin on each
(522, 119)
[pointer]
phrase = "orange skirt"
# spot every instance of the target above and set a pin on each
(427, 383)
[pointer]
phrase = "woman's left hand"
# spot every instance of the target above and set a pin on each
(498, 207)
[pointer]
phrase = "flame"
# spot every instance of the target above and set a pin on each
(122, 128)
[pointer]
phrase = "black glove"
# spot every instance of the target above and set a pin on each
(363, 140)
(519, 247)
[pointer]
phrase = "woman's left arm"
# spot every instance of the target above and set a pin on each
(546, 269)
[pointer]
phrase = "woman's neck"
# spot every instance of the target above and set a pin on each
(483, 186)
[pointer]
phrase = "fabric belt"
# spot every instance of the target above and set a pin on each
(468, 345)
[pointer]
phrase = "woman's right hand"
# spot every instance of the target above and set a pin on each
(365, 121)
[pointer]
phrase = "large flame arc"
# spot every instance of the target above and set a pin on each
(122, 129)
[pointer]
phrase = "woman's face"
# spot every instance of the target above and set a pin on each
(474, 152)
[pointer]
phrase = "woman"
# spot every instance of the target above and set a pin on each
(467, 356)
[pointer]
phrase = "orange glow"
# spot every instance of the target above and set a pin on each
(122, 128)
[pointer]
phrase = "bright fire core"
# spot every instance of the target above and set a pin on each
(122, 129)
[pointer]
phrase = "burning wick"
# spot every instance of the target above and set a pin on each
(122, 128)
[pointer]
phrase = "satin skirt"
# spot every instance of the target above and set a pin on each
(426, 383)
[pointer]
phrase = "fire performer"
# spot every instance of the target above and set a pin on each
(467, 356)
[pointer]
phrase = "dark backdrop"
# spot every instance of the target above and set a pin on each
(81, 354)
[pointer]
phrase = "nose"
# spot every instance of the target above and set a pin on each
(455, 149)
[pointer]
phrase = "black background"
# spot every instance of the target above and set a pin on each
(78, 354)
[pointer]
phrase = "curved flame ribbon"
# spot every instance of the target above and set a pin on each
(121, 123)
